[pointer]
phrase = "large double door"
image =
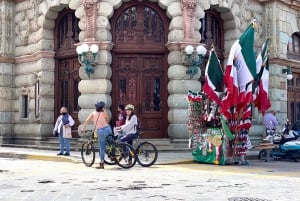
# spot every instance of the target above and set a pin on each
(67, 66)
(66, 89)
(140, 79)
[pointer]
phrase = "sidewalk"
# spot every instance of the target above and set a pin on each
(164, 158)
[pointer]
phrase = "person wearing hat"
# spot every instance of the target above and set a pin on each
(101, 123)
(129, 128)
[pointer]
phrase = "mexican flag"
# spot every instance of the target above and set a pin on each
(261, 84)
(240, 70)
(213, 77)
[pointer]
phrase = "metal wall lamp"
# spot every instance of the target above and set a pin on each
(288, 72)
(193, 60)
(87, 56)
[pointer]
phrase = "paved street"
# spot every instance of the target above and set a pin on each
(60, 181)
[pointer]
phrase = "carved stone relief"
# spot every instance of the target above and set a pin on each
(23, 30)
(6, 29)
(35, 5)
(90, 8)
(298, 20)
(188, 12)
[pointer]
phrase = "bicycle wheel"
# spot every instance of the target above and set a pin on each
(108, 158)
(88, 153)
(125, 155)
(146, 154)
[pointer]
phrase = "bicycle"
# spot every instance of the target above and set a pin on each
(119, 153)
(146, 152)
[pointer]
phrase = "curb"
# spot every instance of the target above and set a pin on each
(37, 157)
(77, 159)
(72, 159)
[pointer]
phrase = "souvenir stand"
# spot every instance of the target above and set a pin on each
(207, 139)
(211, 140)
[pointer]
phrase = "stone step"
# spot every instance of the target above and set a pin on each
(161, 144)
(164, 144)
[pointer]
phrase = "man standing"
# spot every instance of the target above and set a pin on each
(270, 121)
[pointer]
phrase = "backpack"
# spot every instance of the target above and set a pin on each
(138, 127)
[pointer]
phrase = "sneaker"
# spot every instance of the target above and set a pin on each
(59, 154)
(67, 154)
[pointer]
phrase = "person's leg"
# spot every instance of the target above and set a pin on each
(61, 144)
(67, 143)
(102, 135)
(128, 138)
(101, 141)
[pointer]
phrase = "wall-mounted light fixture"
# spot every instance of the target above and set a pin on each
(87, 56)
(193, 60)
(288, 72)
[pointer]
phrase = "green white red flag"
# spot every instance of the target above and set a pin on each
(240, 71)
(261, 84)
(239, 75)
(213, 77)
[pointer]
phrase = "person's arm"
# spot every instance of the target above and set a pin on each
(129, 126)
(90, 117)
(275, 122)
(71, 121)
(57, 123)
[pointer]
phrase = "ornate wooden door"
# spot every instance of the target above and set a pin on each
(66, 87)
(67, 66)
(140, 80)
(140, 64)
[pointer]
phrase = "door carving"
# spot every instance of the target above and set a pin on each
(67, 66)
(140, 64)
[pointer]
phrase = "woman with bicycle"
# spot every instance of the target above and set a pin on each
(146, 152)
(129, 128)
(100, 120)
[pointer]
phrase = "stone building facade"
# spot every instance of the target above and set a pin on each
(29, 57)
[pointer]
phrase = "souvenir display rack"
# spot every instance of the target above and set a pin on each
(207, 139)
(210, 138)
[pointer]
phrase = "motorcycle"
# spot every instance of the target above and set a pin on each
(287, 144)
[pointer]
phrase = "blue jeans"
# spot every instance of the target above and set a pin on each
(102, 135)
(62, 143)
(129, 138)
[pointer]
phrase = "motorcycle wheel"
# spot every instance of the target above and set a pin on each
(292, 156)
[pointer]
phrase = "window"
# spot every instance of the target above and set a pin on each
(293, 48)
(139, 23)
(37, 98)
(24, 106)
(212, 33)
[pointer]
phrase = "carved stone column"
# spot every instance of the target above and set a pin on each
(188, 13)
(98, 86)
